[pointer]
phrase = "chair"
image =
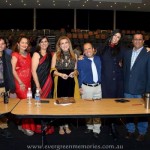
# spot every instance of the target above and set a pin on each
(86, 37)
(128, 32)
(69, 35)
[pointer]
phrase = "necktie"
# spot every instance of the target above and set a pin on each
(94, 70)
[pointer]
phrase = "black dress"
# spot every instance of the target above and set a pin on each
(66, 65)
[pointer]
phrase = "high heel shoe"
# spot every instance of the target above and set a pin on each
(67, 130)
(61, 130)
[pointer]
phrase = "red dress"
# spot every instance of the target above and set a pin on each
(23, 69)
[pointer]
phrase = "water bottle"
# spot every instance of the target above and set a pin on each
(147, 100)
(29, 96)
(37, 98)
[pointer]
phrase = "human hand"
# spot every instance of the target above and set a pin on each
(71, 75)
(81, 57)
(22, 86)
(81, 91)
(64, 76)
(40, 90)
(148, 49)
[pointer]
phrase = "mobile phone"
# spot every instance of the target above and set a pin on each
(122, 100)
(44, 101)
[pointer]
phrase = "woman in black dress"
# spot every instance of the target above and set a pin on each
(63, 70)
(112, 71)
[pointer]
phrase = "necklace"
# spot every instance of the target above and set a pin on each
(24, 53)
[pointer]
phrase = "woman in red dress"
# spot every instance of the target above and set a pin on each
(21, 63)
(21, 66)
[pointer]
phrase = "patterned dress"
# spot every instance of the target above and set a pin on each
(65, 88)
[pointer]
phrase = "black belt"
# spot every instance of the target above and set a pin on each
(92, 85)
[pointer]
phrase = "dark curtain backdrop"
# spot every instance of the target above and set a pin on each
(94, 19)
(55, 18)
(64, 18)
(16, 19)
(133, 20)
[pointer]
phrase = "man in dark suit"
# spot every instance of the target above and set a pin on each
(137, 81)
(6, 81)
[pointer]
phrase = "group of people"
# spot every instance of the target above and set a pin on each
(110, 71)
(120, 73)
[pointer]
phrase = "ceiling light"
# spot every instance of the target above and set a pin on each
(121, 1)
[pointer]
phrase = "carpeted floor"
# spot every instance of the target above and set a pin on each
(77, 140)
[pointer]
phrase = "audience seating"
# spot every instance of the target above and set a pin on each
(77, 36)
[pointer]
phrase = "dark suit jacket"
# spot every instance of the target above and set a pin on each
(8, 76)
(137, 80)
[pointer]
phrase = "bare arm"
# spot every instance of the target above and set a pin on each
(35, 63)
(74, 73)
(76, 61)
(14, 62)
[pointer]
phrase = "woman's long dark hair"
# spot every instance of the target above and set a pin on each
(38, 48)
(116, 48)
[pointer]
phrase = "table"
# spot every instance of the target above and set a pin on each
(7, 108)
(82, 109)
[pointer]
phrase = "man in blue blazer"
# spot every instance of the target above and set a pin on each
(136, 81)
(89, 79)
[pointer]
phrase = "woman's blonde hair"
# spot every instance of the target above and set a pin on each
(59, 50)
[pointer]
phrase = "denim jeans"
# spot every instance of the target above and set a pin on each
(142, 123)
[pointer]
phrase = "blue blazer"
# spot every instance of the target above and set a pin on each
(85, 70)
(137, 80)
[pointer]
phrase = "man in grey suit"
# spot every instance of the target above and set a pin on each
(136, 81)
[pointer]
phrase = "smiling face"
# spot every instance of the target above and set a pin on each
(64, 45)
(138, 41)
(88, 50)
(115, 38)
(2, 45)
(44, 44)
(23, 44)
